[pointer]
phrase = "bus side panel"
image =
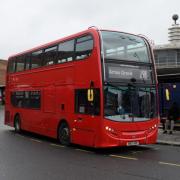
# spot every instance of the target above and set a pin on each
(49, 111)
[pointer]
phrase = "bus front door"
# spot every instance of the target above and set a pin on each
(84, 129)
(85, 120)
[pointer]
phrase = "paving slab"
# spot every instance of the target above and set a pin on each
(169, 139)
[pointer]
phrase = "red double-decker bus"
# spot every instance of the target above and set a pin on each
(96, 88)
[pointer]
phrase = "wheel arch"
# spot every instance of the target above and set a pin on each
(17, 115)
(63, 120)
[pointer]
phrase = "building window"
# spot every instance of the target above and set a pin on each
(172, 57)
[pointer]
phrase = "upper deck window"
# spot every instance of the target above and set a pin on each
(36, 59)
(11, 65)
(49, 56)
(84, 46)
(65, 51)
(27, 61)
(77, 48)
(122, 46)
(20, 64)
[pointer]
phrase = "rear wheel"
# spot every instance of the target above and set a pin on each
(64, 134)
(17, 124)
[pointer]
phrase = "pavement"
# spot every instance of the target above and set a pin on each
(169, 139)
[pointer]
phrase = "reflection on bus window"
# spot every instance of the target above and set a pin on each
(36, 59)
(122, 46)
(129, 103)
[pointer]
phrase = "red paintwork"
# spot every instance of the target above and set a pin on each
(57, 84)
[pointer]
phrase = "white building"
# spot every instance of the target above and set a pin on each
(167, 56)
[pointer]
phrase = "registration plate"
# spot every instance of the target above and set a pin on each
(132, 143)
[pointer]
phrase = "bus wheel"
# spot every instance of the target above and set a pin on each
(17, 124)
(64, 134)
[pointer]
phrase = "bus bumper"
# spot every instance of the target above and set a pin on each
(111, 138)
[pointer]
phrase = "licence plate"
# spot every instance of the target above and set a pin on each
(132, 143)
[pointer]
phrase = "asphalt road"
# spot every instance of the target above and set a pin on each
(31, 157)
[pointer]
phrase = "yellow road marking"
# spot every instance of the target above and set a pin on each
(35, 140)
(83, 150)
(123, 157)
(170, 164)
(57, 145)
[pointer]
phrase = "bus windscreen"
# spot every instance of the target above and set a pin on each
(122, 46)
(129, 104)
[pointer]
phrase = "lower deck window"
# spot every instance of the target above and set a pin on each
(26, 99)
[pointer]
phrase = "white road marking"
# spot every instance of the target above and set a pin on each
(35, 140)
(123, 157)
(57, 145)
(83, 150)
(170, 164)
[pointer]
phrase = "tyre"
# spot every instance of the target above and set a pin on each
(64, 134)
(17, 124)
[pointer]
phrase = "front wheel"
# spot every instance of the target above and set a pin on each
(64, 134)
(17, 124)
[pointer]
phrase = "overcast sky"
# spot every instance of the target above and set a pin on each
(27, 23)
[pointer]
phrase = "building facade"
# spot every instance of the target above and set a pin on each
(167, 56)
(3, 67)
(167, 59)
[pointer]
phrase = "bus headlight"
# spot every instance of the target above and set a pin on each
(111, 132)
(109, 129)
(153, 127)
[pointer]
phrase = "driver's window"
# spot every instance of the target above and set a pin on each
(83, 106)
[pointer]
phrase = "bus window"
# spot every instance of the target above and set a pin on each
(26, 102)
(27, 61)
(19, 64)
(17, 98)
(11, 66)
(49, 56)
(65, 51)
(84, 46)
(121, 46)
(26, 99)
(83, 106)
(35, 100)
(36, 59)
